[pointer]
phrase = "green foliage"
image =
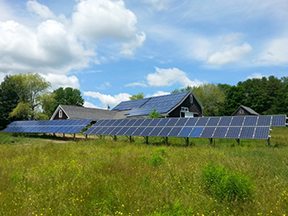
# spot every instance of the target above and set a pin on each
(68, 96)
(225, 185)
(48, 103)
(21, 111)
(154, 114)
(158, 157)
(137, 96)
(8, 100)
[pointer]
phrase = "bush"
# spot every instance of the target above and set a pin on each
(157, 157)
(226, 185)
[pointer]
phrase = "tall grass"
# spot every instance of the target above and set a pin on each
(102, 177)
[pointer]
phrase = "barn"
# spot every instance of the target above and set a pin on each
(244, 110)
(79, 112)
(172, 105)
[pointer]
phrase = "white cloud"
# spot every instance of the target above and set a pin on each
(91, 105)
(61, 80)
(2, 76)
(170, 76)
(111, 100)
(256, 76)
(49, 48)
(159, 93)
(94, 20)
(275, 52)
(136, 84)
(41, 10)
(229, 55)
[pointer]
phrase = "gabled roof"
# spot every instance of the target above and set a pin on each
(162, 104)
(247, 109)
(79, 112)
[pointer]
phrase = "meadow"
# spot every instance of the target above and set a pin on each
(48, 176)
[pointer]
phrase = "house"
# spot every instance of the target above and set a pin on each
(79, 112)
(244, 110)
(172, 105)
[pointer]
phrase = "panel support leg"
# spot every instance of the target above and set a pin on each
(115, 138)
(268, 141)
(238, 141)
(86, 136)
(187, 141)
(54, 134)
(211, 141)
(63, 135)
(166, 140)
(74, 136)
(130, 139)
(146, 140)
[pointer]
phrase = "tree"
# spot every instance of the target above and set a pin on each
(68, 96)
(137, 96)
(29, 88)
(8, 100)
(154, 114)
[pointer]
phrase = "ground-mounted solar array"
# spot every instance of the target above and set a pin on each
(234, 127)
(49, 126)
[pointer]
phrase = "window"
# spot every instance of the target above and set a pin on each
(60, 113)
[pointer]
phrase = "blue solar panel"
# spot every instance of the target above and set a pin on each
(237, 121)
(250, 121)
(247, 133)
(264, 121)
(145, 122)
(154, 122)
(279, 120)
(225, 121)
(174, 132)
(196, 132)
(185, 132)
(262, 133)
(156, 131)
(233, 132)
(163, 122)
(191, 122)
(146, 131)
(213, 121)
(208, 132)
(165, 131)
(181, 122)
(130, 131)
(202, 121)
(138, 131)
(172, 122)
(220, 132)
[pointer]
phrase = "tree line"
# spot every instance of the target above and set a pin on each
(27, 97)
(265, 96)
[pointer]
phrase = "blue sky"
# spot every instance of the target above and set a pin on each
(111, 49)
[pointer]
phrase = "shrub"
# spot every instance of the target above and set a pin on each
(226, 185)
(157, 157)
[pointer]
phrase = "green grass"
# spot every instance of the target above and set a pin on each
(43, 176)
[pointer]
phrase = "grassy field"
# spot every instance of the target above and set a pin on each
(43, 176)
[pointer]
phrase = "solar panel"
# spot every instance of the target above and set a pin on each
(146, 131)
(196, 132)
(262, 133)
(49, 126)
(220, 132)
(213, 121)
(156, 130)
(250, 121)
(233, 132)
(174, 132)
(264, 121)
(278, 120)
(247, 133)
(208, 132)
(237, 121)
(225, 121)
(202, 121)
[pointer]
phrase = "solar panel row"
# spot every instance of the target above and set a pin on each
(186, 131)
(277, 120)
(52, 126)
